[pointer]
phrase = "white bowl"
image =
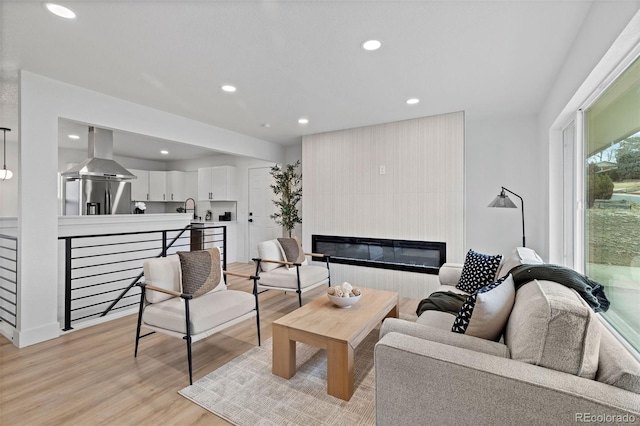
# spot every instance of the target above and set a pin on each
(344, 302)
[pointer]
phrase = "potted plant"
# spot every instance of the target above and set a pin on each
(287, 187)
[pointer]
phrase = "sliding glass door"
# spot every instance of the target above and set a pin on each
(612, 199)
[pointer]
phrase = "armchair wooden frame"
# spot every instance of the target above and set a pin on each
(188, 336)
(297, 265)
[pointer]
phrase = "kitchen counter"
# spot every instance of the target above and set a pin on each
(120, 223)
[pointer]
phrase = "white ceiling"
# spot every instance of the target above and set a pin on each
(290, 59)
(132, 145)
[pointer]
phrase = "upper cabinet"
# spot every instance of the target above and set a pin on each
(158, 186)
(176, 186)
(140, 186)
(217, 183)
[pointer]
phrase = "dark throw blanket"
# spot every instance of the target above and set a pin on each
(445, 301)
(591, 291)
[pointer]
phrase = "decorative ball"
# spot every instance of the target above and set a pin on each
(346, 286)
(331, 291)
(356, 291)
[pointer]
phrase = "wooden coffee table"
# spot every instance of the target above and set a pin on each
(337, 330)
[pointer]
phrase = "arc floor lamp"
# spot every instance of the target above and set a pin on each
(503, 201)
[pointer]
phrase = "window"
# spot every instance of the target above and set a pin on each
(612, 200)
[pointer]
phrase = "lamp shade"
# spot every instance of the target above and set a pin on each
(5, 174)
(503, 200)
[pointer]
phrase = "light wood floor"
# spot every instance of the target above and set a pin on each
(90, 377)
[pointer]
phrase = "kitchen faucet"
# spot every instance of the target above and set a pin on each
(194, 207)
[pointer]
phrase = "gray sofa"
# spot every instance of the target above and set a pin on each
(538, 373)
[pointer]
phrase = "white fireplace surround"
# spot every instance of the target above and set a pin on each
(401, 180)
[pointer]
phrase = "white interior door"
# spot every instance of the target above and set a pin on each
(261, 226)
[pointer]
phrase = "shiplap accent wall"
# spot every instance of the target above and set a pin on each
(420, 196)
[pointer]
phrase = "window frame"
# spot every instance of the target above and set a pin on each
(577, 215)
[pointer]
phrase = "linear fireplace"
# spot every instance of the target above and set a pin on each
(405, 255)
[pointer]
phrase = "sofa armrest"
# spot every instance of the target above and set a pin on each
(449, 273)
(425, 382)
(446, 337)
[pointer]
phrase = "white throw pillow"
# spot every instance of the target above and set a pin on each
(519, 256)
(270, 250)
(485, 313)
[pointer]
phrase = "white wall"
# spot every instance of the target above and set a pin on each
(42, 102)
(505, 152)
(419, 197)
(242, 164)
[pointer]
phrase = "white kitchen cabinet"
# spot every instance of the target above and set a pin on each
(176, 186)
(217, 183)
(157, 186)
(204, 183)
(140, 186)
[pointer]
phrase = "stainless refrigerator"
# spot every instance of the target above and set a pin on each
(95, 196)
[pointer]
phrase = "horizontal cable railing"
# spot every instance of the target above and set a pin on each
(8, 279)
(101, 271)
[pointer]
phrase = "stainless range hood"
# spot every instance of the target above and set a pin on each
(100, 163)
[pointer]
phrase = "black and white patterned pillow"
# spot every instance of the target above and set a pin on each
(478, 270)
(485, 313)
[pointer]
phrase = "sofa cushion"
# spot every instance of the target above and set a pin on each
(485, 313)
(163, 272)
(270, 250)
(201, 271)
(478, 270)
(518, 256)
(437, 319)
(551, 326)
(208, 311)
(616, 366)
(288, 278)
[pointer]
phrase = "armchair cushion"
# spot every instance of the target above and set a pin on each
(163, 272)
(288, 278)
(201, 271)
(478, 270)
(207, 311)
(270, 250)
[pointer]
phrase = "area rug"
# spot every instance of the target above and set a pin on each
(244, 392)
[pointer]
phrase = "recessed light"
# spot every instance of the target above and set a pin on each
(371, 45)
(74, 137)
(228, 88)
(164, 152)
(267, 125)
(61, 11)
(413, 101)
(303, 120)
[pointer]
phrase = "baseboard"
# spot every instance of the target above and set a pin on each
(24, 338)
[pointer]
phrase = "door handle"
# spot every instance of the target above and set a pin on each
(250, 220)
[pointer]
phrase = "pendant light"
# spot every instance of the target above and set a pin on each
(5, 174)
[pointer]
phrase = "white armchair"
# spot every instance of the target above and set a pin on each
(166, 307)
(286, 269)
